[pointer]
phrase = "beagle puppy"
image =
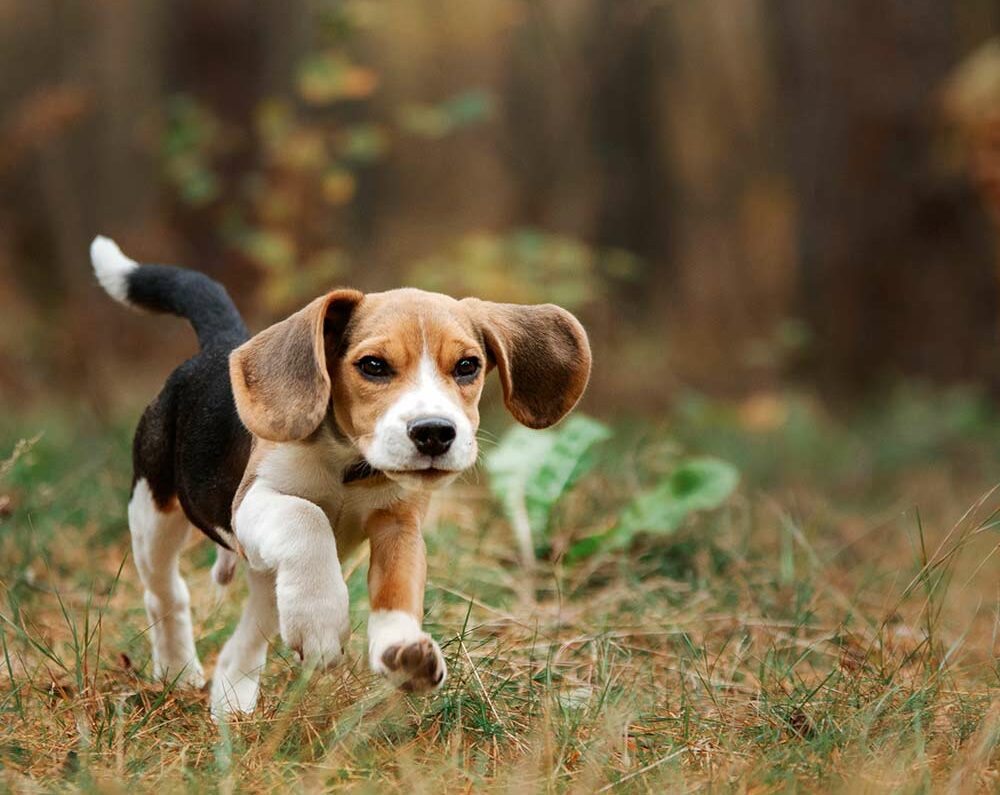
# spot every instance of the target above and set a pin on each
(291, 447)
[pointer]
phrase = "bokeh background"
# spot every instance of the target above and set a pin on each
(734, 196)
(761, 557)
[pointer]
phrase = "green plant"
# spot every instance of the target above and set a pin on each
(697, 484)
(530, 471)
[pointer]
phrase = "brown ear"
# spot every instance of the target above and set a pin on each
(280, 378)
(542, 355)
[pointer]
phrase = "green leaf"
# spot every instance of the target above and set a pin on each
(698, 484)
(531, 470)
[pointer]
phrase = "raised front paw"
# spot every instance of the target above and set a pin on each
(415, 667)
(403, 653)
(316, 629)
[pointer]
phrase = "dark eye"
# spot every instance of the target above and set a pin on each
(374, 368)
(466, 369)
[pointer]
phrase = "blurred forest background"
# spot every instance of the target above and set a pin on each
(771, 566)
(733, 195)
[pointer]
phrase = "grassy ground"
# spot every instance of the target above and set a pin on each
(833, 627)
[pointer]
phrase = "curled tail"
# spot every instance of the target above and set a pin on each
(162, 288)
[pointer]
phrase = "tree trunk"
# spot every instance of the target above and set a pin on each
(879, 219)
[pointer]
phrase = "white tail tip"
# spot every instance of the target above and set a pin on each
(112, 267)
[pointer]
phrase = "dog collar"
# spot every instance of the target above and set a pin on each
(360, 470)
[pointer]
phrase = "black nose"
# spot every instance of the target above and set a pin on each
(431, 435)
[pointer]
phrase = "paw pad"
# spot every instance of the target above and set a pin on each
(420, 662)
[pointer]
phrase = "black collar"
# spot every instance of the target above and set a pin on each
(359, 470)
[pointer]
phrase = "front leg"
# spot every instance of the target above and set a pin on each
(397, 647)
(292, 537)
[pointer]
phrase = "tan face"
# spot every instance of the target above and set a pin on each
(407, 383)
(402, 373)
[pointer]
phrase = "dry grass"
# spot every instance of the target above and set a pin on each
(834, 628)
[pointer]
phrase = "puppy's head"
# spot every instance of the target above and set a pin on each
(402, 372)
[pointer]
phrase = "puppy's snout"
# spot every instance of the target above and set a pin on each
(431, 435)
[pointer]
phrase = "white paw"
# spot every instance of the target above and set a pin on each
(405, 655)
(233, 693)
(181, 674)
(316, 627)
(175, 659)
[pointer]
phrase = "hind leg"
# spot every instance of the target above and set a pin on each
(237, 673)
(157, 539)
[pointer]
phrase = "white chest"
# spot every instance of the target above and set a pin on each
(314, 471)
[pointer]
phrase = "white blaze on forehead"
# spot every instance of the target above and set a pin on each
(392, 447)
(429, 398)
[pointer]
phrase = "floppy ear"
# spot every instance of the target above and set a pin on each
(280, 378)
(542, 355)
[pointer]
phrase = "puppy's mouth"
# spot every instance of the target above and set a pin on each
(430, 477)
(430, 472)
